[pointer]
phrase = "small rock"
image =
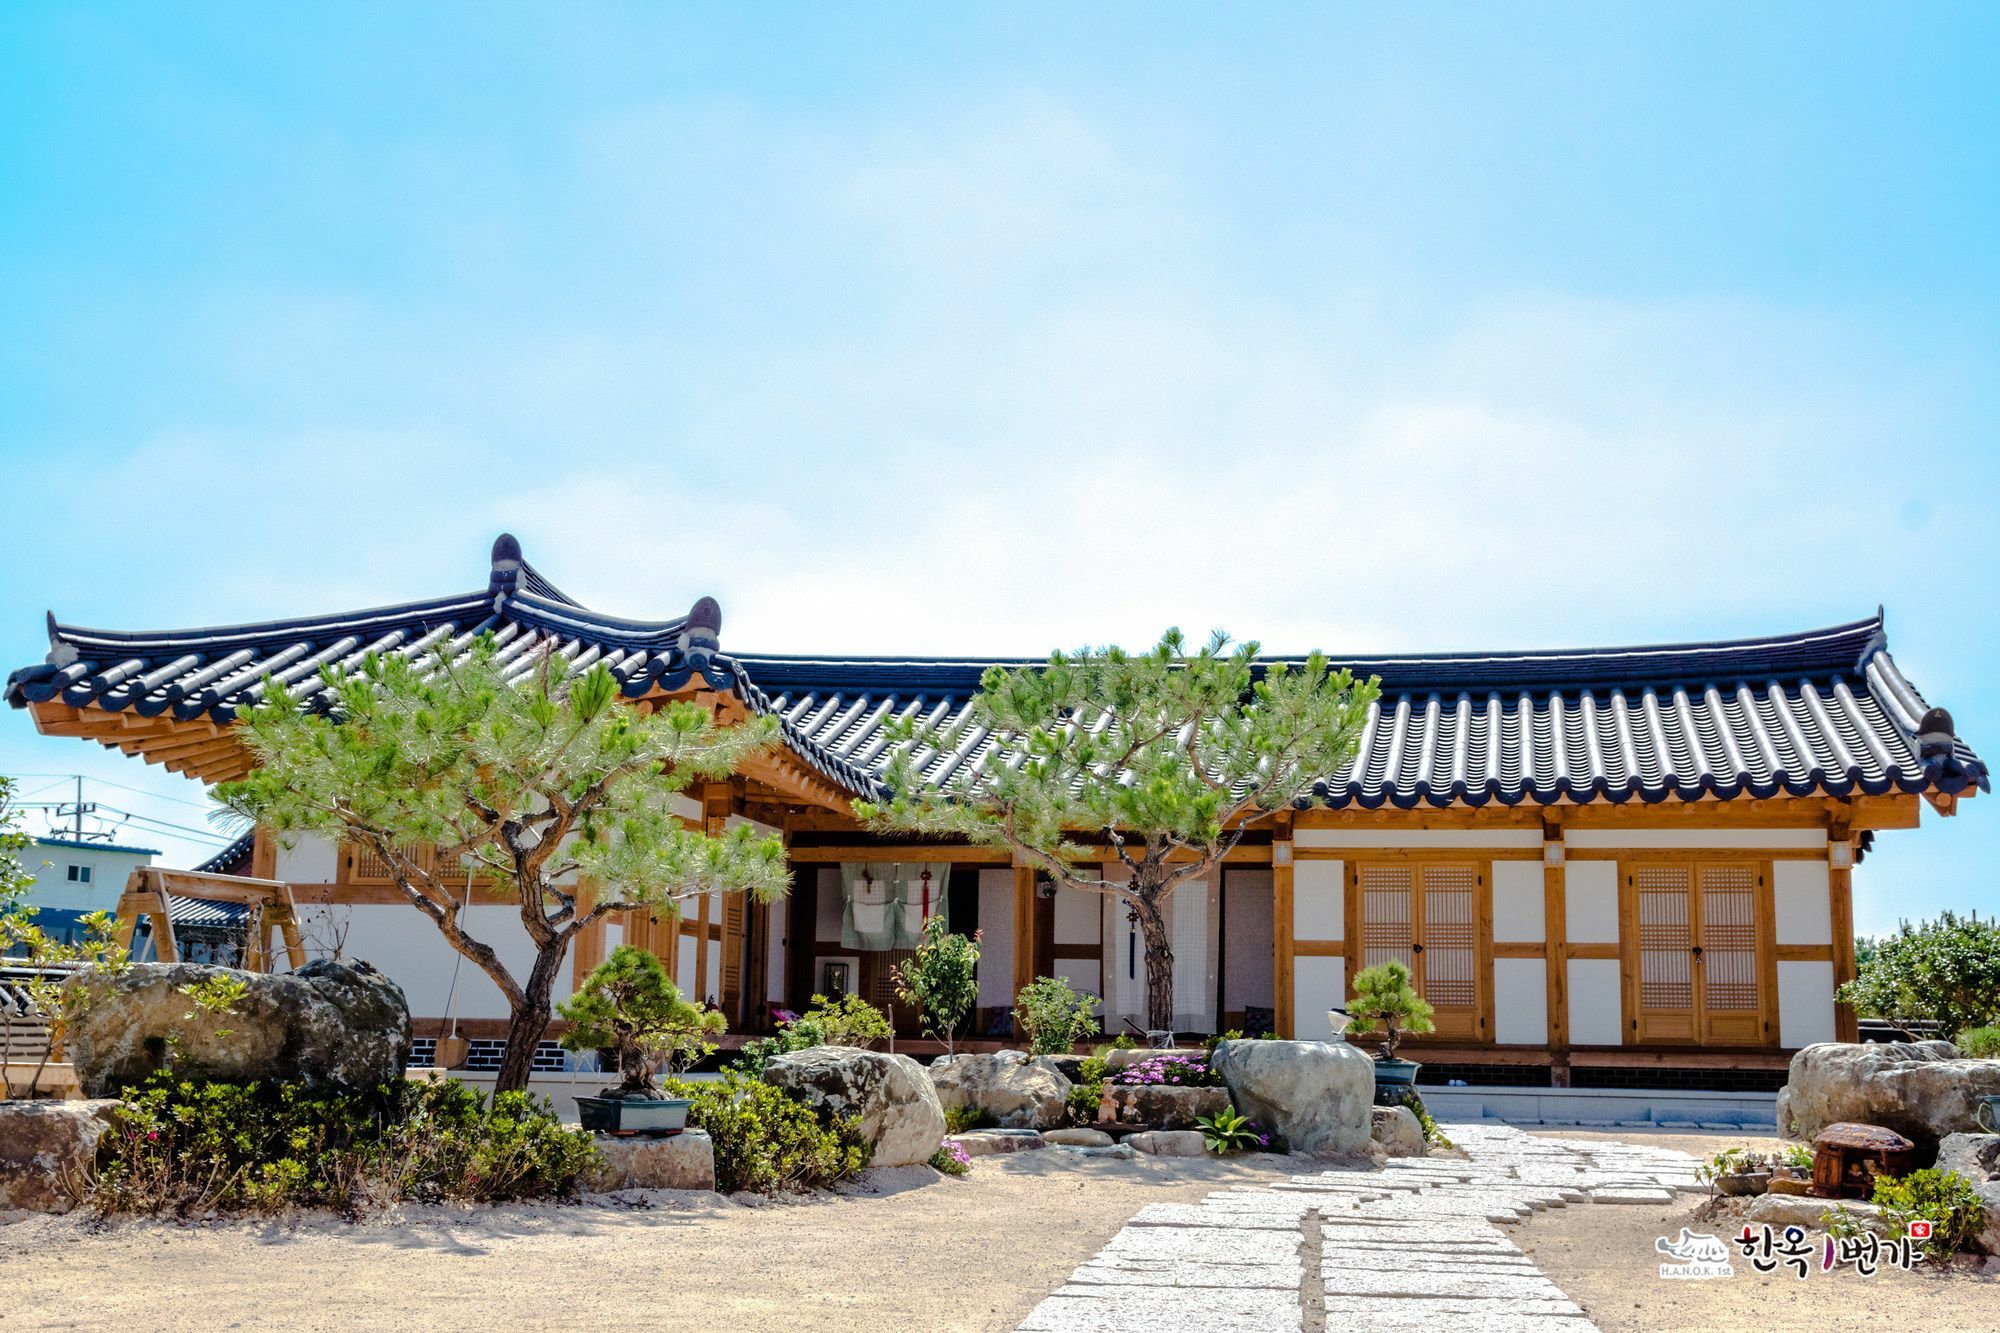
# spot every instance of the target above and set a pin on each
(987, 1142)
(684, 1161)
(1397, 1129)
(1795, 1210)
(1078, 1138)
(1118, 1150)
(1168, 1142)
(45, 1148)
(1788, 1185)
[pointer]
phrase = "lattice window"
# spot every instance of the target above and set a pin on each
(366, 867)
(1666, 967)
(1450, 936)
(1729, 938)
(1386, 920)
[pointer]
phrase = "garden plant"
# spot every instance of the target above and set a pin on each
(941, 979)
(1385, 1000)
(629, 1005)
(1054, 1016)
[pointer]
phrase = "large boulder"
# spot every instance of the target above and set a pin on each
(1166, 1106)
(1977, 1158)
(336, 1023)
(1020, 1091)
(1318, 1095)
(684, 1161)
(46, 1150)
(899, 1110)
(1920, 1089)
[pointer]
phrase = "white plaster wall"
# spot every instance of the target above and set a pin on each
(684, 954)
(1078, 916)
(1319, 900)
(1318, 984)
(827, 924)
(1590, 902)
(1596, 1003)
(1518, 917)
(404, 944)
(1801, 900)
(774, 951)
(313, 861)
(1520, 1002)
(1695, 837)
(714, 990)
(1246, 939)
(1083, 974)
(996, 943)
(1339, 837)
(1805, 1003)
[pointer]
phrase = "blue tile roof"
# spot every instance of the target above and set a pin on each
(1821, 712)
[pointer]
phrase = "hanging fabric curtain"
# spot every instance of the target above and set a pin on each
(885, 903)
(920, 896)
(867, 914)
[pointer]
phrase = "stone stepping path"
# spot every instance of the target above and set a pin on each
(1411, 1244)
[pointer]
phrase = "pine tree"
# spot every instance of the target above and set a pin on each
(1168, 756)
(529, 786)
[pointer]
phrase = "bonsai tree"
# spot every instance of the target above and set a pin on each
(1945, 972)
(1383, 995)
(630, 1006)
(1168, 756)
(940, 979)
(531, 785)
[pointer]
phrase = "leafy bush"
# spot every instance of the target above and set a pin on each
(1083, 1101)
(959, 1119)
(1229, 1130)
(1945, 1199)
(1945, 971)
(182, 1146)
(1168, 1070)
(765, 1141)
(1054, 1016)
(951, 1159)
(1980, 1043)
(848, 1021)
(941, 979)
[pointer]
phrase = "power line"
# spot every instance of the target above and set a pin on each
(107, 782)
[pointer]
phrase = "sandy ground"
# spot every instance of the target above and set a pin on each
(920, 1252)
(1603, 1256)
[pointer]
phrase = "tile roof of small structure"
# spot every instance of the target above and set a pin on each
(1821, 713)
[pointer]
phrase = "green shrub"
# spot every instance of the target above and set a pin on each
(766, 1142)
(1945, 1199)
(1084, 1099)
(185, 1146)
(848, 1021)
(951, 1159)
(959, 1119)
(1945, 971)
(1054, 1016)
(1980, 1043)
(1229, 1130)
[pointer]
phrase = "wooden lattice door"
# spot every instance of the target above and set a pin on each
(1699, 952)
(1432, 918)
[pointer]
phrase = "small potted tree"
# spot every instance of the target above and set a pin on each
(1385, 1000)
(630, 1007)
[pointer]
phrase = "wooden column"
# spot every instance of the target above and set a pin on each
(263, 855)
(1024, 930)
(1555, 950)
(1281, 930)
(1840, 888)
(589, 940)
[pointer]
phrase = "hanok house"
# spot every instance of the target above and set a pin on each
(1600, 864)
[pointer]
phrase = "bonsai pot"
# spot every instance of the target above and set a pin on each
(633, 1115)
(1395, 1075)
(1744, 1182)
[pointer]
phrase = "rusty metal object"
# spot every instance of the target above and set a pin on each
(1847, 1158)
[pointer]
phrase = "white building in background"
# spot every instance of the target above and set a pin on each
(74, 879)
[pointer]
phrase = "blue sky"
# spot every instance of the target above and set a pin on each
(969, 328)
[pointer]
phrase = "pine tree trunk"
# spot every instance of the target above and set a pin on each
(1159, 963)
(528, 1021)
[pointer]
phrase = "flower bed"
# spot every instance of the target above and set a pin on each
(1168, 1070)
